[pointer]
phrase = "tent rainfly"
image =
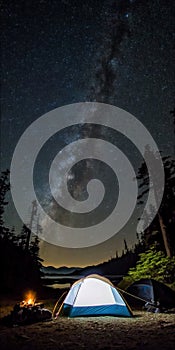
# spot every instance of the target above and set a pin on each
(94, 295)
(153, 292)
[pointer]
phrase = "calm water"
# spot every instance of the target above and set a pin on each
(65, 281)
(58, 285)
(59, 281)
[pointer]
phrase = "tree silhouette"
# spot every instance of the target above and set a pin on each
(4, 188)
(165, 216)
(126, 246)
(34, 251)
(22, 237)
(29, 229)
(19, 267)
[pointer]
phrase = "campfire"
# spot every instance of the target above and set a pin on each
(30, 300)
(28, 311)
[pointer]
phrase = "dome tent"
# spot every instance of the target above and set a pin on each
(94, 295)
(153, 292)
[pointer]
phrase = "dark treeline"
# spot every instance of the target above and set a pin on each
(19, 262)
(162, 228)
(154, 252)
(118, 265)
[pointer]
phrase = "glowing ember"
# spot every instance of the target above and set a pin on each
(30, 298)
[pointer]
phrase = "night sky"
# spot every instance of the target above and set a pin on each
(61, 52)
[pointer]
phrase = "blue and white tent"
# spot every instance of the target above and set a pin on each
(94, 296)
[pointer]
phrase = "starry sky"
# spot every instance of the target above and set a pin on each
(61, 52)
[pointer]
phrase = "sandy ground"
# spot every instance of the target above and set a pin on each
(143, 331)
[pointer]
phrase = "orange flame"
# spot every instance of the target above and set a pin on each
(30, 298)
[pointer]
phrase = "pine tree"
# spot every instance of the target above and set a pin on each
(153, 264)
(126, 246)
(5, 232)
(22, 237)
(165, 212)
(4, 188)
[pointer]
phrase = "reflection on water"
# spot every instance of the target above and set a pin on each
(61, 277)
(66, 281)
(58, 285)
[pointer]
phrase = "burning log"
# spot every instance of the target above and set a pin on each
(27, 312)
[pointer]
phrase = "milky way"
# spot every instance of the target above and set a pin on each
(117, 52)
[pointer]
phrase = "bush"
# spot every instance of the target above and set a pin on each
(153, 264)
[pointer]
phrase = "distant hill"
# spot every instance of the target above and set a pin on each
(115, 266)
(119, 266)
(64, 270)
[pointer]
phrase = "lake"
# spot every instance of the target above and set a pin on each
(65, 281)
